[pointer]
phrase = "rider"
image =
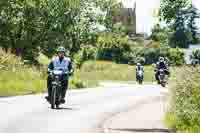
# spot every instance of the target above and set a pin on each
(195, 62)
(161, 64)
(61, 62)
(138, 68)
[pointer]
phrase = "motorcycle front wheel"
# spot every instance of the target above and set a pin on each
(163, 84)
(53, 97)
(140, 82)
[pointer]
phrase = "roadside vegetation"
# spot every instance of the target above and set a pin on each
(32, 30)
(92, 72)
(184, 110)
(17, 78)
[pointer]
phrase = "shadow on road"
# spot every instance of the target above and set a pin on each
(64, 108)
(156, 130)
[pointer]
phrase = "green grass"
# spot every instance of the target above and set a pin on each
(94, 71)
(21, 81)
(170, 120)
(17, 79)
(191, 130)
(29, 80)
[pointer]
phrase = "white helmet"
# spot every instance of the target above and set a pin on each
(61, 49)
(161, 59)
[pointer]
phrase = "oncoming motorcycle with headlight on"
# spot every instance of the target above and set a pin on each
(56, 91)
(140, 76)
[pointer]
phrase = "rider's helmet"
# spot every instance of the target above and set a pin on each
(61, 49)
(161, 59)
(138, 64)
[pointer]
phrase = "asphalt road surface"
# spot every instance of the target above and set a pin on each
(85, 111)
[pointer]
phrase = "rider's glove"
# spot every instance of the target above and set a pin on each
(71, 73)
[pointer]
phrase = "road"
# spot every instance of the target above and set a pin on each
(86, 111)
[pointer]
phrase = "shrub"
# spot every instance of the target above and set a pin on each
(151, 55)
(18, 79)
(176, 56)
(186, 99)
(112, 46)
(159, 34)
(86, 53)
(119, 28)
(77, 84)
(196, 54)
(42, 59)
(7, 58)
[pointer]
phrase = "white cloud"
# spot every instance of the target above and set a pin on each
(196, 3)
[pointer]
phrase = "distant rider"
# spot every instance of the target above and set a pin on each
(161, 64)
(139, 67)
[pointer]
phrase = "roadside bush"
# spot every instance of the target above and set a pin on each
(196, 54)
(77, 84)
(119, 28)
(89, 52)
(176, 56)
(112, 46)
(151, 55)
(17, 78)
(186, 100)
(86, 53)
(43, 59)
(8, 59)
(159, 34)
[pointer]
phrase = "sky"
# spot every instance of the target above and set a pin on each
(145, 13)
(196, 3)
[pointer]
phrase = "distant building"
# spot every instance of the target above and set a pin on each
(138, 15)
(127, 16)
(145, 13)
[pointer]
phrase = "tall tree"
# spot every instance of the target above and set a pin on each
(28, 26)
(179, 37)
(192, 15)
(169, 9)
(173, 13)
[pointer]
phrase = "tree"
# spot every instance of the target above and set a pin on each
(29, 27)
(173, 12)
(179, 37)
(192, 14)
(169, 9)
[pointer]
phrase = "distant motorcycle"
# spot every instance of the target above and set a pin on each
(55, 99)
(140, 76)
(162, 77)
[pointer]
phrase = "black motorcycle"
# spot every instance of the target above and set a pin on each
(140, 76)
(56, 92)
(162, 77)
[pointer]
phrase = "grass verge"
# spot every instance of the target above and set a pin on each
(104, 70)
(17, 79)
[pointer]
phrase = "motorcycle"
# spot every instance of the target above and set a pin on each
(56, 92)
(140, 76)
(162, 77)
